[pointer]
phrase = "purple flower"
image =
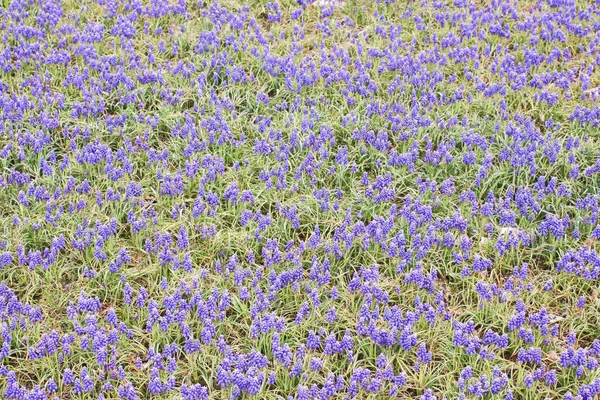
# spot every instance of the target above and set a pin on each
(316, 364)
(531, 355)
(331, 315)
(423, 355)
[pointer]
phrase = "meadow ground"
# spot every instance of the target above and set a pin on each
(296, 199)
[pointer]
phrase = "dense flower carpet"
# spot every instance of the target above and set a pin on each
(299, 199)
